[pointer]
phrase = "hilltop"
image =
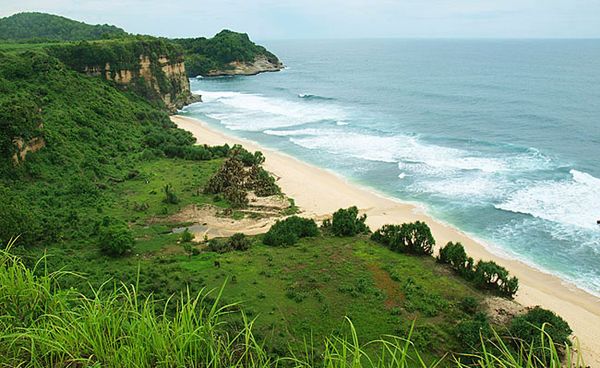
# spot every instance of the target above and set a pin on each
(227, 53)
(48, 27)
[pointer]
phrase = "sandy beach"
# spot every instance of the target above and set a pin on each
(319, 192)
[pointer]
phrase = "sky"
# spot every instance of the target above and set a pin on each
(310, 19)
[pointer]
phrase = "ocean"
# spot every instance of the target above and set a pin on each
(500, 138)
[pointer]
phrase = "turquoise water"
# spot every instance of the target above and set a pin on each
(499, 138)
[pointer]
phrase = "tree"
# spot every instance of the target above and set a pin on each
(238, 241)
(116, 240)
(288, 231)
(454, 254)
(346, 222)
(412, 238)
(527, 329)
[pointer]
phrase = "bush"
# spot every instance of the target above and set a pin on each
(238, 241)
(471, 332)
(412, 238)
(288, 231)
(345, 222)
(170, 196)
(116, 240)
(187, 236)
(490, 275)
(526, 329)
(454, 254)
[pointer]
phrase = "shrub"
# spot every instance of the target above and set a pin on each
(116, 240)
(288, 231)
(187, 236)
(412, 238)
(236, 196)
(469, 305)
(170, 196)
(454, 254)
(238, 241)
(527, 329)
(471, 332)
(490, 275)
(345, 222)
(216, 245)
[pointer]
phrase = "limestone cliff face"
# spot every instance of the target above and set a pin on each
(164, 78)
(260, 65)
(151, 67)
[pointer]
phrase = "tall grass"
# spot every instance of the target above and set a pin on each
(42, 325)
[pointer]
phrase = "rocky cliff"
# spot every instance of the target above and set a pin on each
(152, 68)
(260, 65)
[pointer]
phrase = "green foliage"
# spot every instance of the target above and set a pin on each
(46, 326)
(490, 275)
(240, 173)
(472, 332)
(125, 54)
(287, 232)
(238, 241)
(534, 326)
(485, 274)
(116, 240)
(16, 219)
(346, 222)
(204, 55)
(170, 196)
(39, 27)
(187, 236)
(454, 254)
(414, 238)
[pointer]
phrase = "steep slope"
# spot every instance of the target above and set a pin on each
(152, 67)
(227, 53)
(41, 26)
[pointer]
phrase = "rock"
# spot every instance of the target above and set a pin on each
(260, 65)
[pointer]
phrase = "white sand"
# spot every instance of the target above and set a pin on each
(318, 192)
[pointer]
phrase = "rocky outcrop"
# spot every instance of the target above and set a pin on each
(165, 78)
(260, 65)
(151, 67)
(23, 148)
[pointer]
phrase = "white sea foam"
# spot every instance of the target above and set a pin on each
(254, 112)
(574, 201)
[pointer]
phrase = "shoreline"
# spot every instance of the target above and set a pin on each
(319, 192)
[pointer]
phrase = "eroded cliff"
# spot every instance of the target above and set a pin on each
(150, 67)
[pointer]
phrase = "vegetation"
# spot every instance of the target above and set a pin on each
(287, 232)
(484, 274)
(527, 329)
(412, 238)
(47, 27)
(104, 277)
(346, 222)
(203, 55)
(46, 326)
(240, 173)
(116, 240)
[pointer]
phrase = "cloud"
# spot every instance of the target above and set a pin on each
(268, 19)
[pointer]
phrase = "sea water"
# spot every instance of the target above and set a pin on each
(500, 138)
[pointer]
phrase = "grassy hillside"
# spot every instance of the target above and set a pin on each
(97, 207)
(206, 54)
(41, 26)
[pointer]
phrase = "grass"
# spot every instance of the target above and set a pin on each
(43, 325)
(294, 293)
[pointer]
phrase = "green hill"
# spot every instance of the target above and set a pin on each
(41, 26)
(204, 55)
(95, 181)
